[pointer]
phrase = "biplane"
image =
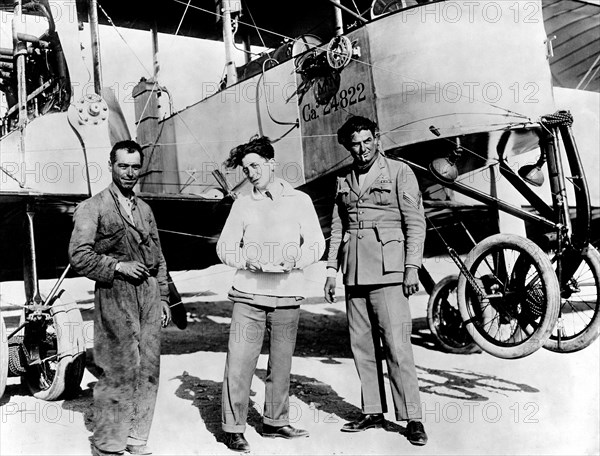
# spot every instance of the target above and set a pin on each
(462, 91)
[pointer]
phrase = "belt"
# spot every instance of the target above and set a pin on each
(366, 224)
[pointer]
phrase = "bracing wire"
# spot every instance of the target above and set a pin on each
(155, 85)
(183, 16)
(255, 26)
(110, 21)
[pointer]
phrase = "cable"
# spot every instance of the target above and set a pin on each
(123, 38)
(257, 29)
(181, 233)
(587, 74)
(296, 123)
(183, 16)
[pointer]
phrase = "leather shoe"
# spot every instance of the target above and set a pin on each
(235, 441)
(415, 433)
(138, 449)
(366, 422)
(98, 452)
(287, 432)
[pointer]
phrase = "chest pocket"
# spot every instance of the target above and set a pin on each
(381, 193)
(343, 192)
(108, 240)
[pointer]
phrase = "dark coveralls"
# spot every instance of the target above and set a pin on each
(377, 230)
(127, 317)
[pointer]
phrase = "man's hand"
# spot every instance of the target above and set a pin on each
(253, 266)
(166, 314)
(287, 264)
(329, 289)
(411, 281)
(133, 270)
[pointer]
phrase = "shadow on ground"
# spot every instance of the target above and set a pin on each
(205, 395)
(83, 404)
(319, 335)
(322, 336)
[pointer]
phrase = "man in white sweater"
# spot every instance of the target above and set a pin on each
(270, 236)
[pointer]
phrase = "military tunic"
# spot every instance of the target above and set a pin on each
(378, 230)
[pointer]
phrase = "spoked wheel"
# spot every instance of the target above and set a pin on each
(579, 321)
(512, 306)
(444, 318)
(3, 356)
(55, 348)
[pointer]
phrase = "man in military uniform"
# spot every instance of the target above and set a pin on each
(377, 238)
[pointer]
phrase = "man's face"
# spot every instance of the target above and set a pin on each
(363, 146)
(126, 169)
(258, 170)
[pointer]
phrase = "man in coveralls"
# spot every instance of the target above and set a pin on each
(115, 243)
(377, 238)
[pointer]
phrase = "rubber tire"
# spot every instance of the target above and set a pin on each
(445, 337)
(592, 330)
(3, 356)
(70, 345)
(551, 290)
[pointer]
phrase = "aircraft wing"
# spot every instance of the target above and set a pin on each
(575, 24)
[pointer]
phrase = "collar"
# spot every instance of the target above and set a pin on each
(379, 162)
(120, 197)
(287, 190)
(363, 169)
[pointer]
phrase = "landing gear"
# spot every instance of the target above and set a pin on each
(48, 348)
(55, 351)
(3, 356)
(444, 318)
(579, 321)
(511, 300)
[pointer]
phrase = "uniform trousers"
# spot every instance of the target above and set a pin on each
(248, 325)
(380, 327)
(127, 325)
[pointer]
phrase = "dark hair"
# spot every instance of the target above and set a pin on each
(128, 145)
(260, 145)
(354, 125)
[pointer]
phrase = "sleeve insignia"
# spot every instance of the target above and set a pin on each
(414, 202)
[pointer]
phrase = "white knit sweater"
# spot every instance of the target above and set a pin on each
(268, 230)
